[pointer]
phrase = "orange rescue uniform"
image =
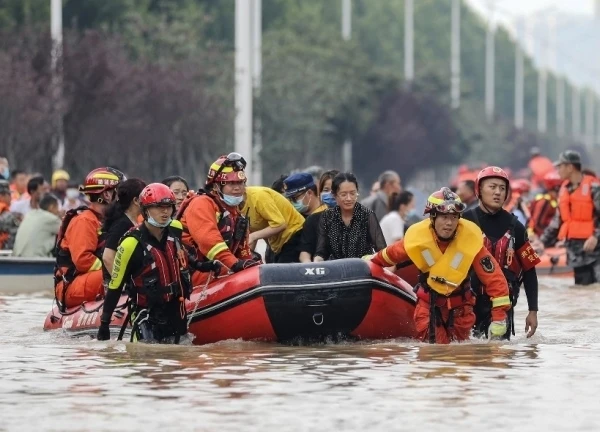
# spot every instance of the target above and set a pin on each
(208, 230)
(542, 210)
(486, 268)
(82, 241)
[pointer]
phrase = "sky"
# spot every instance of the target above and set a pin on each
(507, 10)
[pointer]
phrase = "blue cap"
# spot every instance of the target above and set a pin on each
(297, 183)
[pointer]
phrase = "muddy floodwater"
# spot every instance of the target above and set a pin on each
(551, 382)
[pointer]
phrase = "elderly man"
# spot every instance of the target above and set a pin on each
(389, 184)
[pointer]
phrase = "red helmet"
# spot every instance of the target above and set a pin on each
(520, 186)
(491, 172)
(552, 181)
(158, 195)
(227, 169)
(101, 180)
(444, 201)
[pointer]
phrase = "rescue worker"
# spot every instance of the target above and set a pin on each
(544, 206)
(9, 222)
(80, 242)
(576, 222)
(152, 260)
(446, 249)
(506, 239)
(213, 227)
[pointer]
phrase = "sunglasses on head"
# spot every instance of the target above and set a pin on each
(450, 206)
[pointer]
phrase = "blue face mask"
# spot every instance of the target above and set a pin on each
(5, 173)
(300, 206)
(232, 201)
(153, 222)
(328, 199)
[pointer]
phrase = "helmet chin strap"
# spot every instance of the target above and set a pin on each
(487, 209)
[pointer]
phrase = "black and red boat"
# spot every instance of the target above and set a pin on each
(347, 299)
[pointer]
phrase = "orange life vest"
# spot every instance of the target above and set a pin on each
(577, 210)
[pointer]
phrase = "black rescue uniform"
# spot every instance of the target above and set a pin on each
(157, 278)
(506, 239)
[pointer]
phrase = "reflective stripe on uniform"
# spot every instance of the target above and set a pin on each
(385, 257)
(96, 266)
(216, 249)
(500, 301)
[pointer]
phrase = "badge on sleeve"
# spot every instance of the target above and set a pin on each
(487, 264)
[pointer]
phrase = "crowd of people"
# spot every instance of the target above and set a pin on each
(476, 247)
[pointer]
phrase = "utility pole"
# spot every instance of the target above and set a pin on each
(409, 53)
(589, 120)
(56, 63)
(243, 83)
(542, 88)
(575, 113)
(346, 35)
(455, 55)
(560, 81)
(257, 81)
(519, 76)
(489, 64)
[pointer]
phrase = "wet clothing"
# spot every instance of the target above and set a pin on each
(9, 224)
(213, 231)
(337, 240)
(79, 258)
(155, 272)
(586, 265)
(264, 208)
(444, 298)
(498, 229)
(114, 233)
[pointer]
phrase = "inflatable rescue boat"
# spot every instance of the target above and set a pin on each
(348, 299)
(554, 263)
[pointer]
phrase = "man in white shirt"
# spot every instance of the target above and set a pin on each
(36, 235)
(35, 189)
(393, 223)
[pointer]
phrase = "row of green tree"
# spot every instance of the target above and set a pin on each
(148, 86)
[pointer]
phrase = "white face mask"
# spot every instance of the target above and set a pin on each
(72, 194)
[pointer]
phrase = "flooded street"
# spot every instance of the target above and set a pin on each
(50, 382)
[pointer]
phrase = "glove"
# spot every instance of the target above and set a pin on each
(243, 265)
(497, 329)
(103, 331)
(214, 266)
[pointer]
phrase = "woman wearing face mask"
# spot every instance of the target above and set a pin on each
(325, 194)
(310, 230)
(349, 230)
(179, 187)
(121, 215)
(393, 223)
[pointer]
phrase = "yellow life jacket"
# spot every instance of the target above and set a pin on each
(451, 266)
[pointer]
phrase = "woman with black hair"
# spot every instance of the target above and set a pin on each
(179, 186)
(120, 217)
(348, 230)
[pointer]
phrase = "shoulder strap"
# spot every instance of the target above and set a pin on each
(69, 215)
